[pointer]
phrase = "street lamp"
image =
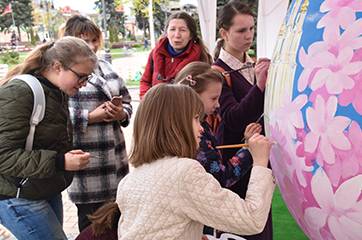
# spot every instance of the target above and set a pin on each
(48, 6)
(107, 55)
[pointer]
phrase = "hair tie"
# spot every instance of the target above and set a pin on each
(51, 44)
(47, 46)
(190, 80)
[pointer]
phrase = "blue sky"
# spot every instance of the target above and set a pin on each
(86, 6)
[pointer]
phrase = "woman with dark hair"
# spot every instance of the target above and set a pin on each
(242, 97)
(179, 46)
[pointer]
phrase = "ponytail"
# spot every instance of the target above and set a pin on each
(68, 51)
(32, 63)
(105, 218)
(219, 45)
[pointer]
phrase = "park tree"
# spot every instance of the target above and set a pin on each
(23, 18)
(140, 9)
(115, 18)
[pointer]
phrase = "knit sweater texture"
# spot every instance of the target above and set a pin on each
(172, 198)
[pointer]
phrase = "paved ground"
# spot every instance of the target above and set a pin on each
(127, 68)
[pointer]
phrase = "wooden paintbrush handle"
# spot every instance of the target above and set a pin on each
(232, 146)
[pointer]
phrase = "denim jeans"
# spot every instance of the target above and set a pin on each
(33, 220)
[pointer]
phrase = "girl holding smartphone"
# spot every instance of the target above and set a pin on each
(98, 113)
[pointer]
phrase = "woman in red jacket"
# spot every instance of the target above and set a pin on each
(176, 49)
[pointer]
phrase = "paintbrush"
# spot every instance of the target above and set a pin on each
(240, 145)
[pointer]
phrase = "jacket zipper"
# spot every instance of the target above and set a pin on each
(172, 59)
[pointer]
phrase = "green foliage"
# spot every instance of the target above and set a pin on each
(137, 45)
(140, 9)
(113, 34)
(22, 11)
(9, 57)
(34, 38)
(115, 20)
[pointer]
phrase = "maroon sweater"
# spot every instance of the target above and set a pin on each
(240, 105)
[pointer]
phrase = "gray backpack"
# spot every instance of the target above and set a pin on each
(37, 114)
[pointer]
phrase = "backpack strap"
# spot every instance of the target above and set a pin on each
(224, 73)
(38, 107)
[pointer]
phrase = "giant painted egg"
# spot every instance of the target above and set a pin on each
(313, 112)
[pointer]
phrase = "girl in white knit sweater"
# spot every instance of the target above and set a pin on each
(169, 195)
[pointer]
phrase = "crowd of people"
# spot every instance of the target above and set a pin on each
(181, 186)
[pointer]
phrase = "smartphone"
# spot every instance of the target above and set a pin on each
(117, 100)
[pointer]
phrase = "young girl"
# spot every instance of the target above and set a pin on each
(241, 101)
(62, 68)
(97, 126)
(169, 195)
(207, 82)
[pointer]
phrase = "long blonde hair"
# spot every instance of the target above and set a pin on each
(163, 124)
(68, 51)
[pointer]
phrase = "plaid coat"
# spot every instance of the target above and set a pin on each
(104, 141)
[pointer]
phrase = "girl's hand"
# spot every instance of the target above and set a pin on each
(261, 72)
(251, 129)
(75, 160)
(259, 147)
(98, 114)
(114, 112)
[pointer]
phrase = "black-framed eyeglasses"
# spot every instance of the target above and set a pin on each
(81, 78)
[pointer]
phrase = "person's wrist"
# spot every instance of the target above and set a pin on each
(260, 162)
(90, 117)
(124, 116)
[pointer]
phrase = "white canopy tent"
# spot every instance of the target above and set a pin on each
(270, 17)
(207, 16)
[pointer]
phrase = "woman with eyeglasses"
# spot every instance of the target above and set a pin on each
(179, 46)
(242, 97)
(31, 180)
(98, 113)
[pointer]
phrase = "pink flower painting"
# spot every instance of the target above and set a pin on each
(317, 158)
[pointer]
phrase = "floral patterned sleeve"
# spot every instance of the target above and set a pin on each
(210, 158)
